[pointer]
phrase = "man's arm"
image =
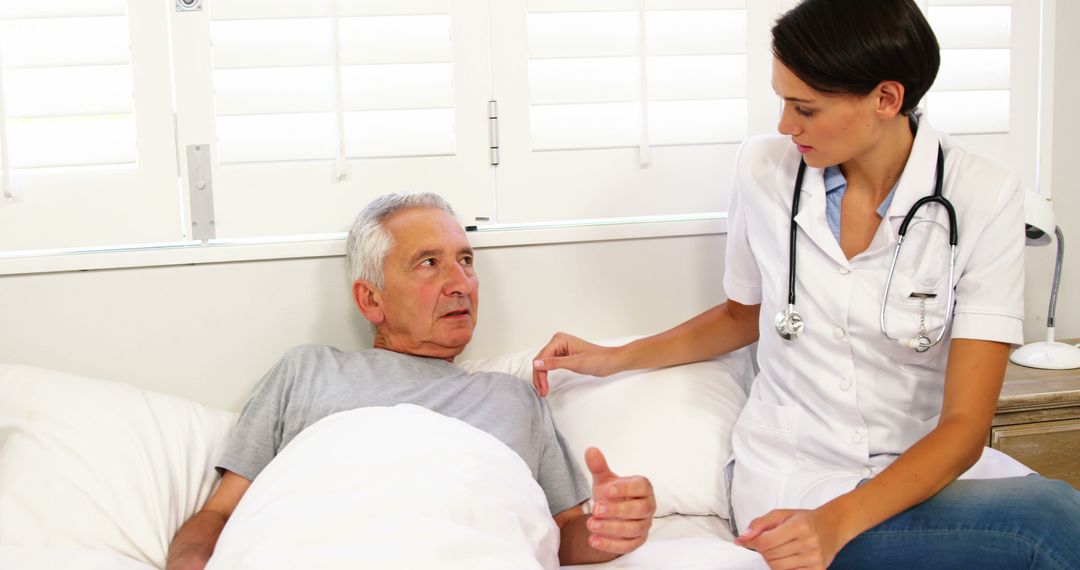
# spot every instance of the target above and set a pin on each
(194, 542)
(622, 515)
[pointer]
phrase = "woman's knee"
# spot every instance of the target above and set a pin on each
(1057, 500)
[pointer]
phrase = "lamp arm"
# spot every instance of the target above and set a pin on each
(1057, 276)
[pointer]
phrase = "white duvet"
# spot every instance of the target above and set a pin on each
(405, 488)
(399, 487)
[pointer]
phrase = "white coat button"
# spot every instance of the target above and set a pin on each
(856, 437)
(868, 472)
(843, 270)
(845, 384)
(839, 333)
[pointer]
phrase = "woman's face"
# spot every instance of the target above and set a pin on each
(828, 128)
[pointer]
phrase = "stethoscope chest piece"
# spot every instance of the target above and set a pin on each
(789, 324)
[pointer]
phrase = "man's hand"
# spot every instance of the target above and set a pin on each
(571, 353)
(791, 539)
(623, 507)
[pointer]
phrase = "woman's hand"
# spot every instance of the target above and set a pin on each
(571, 353)
(792, 539)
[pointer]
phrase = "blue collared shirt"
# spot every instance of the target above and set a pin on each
(835, 186)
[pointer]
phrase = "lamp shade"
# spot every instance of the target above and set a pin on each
(1038, 219)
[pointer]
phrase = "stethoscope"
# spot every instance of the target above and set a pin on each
(790, 324)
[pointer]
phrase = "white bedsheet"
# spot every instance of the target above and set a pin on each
(53, 558)
(686, 542)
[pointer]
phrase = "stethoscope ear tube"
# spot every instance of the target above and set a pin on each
(789, 323)
(793, 232)
(937, 198)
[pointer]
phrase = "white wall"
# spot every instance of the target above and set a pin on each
(208, 332)
(1065, 189)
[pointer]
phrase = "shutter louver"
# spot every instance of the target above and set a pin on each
(67, 83)
(274, 79)
(972, 91)
(586, 73)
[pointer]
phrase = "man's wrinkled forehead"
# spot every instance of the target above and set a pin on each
(426, 232)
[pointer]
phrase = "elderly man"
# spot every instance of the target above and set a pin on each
(413, 279)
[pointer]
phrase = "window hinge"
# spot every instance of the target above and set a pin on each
(202, 193)
(493, 130)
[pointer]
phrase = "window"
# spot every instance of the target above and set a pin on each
(313, 108)
(87, 132)
(987, 89)
(598, 108)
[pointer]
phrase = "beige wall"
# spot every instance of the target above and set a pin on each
(208, 332)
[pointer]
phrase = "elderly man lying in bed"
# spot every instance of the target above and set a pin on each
(414, 281)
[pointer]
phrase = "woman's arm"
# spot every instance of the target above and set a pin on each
(973, 377)
(719, 330)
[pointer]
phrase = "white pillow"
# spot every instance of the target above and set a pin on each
(672, 425)
(98, 465)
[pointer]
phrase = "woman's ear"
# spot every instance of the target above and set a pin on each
(369, 300)
(890, 98)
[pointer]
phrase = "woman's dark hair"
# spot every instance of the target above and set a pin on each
(851, 46)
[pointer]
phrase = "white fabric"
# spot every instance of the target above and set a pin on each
(91, 464)
(672, 425)
(50, 558)
(993, 464)
(686, 542)
(399, 487)
(841, 402)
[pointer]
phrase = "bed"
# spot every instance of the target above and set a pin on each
(99, 475)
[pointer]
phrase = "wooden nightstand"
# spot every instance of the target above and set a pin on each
(1038, 420)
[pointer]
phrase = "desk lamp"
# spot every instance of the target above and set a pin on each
(1049, 354)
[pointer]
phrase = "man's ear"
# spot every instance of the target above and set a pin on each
(890, 98)
(369, 300)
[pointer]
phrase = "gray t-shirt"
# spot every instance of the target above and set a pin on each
(312, 382)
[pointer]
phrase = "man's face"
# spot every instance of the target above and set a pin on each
(430, 292)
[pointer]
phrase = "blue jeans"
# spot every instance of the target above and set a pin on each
(1019, 522)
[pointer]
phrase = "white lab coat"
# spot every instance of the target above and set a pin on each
(841, 402)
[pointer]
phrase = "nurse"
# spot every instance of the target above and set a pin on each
(851, 449)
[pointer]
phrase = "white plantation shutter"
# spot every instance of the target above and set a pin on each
(590, 70)
(605, 108)
(311, 128)
(986, 92)
(86, 134)
(68, 84)
(274, 79)
(607, 104)
(971, 94)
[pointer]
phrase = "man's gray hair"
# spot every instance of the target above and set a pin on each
(369, 243)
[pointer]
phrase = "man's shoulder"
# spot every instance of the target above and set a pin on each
(308, 354)
(505, 383)
(309, 362)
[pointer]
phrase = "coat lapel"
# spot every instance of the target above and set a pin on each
(811, 216)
